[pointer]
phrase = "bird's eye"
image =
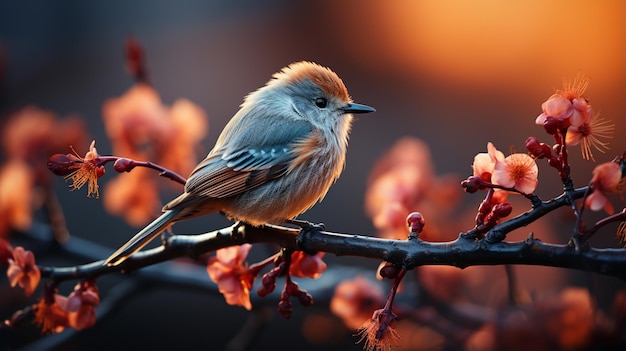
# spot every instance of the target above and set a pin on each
(321, 102)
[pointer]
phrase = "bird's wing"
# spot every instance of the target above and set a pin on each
(257, 157)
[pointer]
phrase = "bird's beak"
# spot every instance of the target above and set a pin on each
(357, 108)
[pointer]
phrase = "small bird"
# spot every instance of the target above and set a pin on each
(276, 157)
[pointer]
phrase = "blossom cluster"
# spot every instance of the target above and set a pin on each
(53, 312)
(29, 136)
(235, 278)
(141, 127)
(56, 312)
(569, 112)
(400, 183)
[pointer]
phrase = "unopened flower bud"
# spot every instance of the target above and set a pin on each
(305, 299)
(124, 165)
(389, 271)
(285, 309)
(551, 125)
(268, 284)
(472, 184)
(62, 164)
(554, 162)
(416, 222)
(502, 209)
(532, 143)
(135, 63)
(537, 149)
(264, 290)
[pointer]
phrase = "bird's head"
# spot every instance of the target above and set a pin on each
(312, 92)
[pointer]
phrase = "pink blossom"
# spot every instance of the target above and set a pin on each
(590, 132)
(567, 102)
(134, 196)
(355, 300)
(485, 162)
(402, 181)
(23, 271)
(518, 171)
(583, 125)
(305, 265)
(33, 134)
(557, 107)
(233, 279)
(141, 127)
(81, 306)
(16, 192)
(606, 179)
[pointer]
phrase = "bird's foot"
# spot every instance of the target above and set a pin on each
(235, 228)
(306, 225)
(306, 228)
(167, 233)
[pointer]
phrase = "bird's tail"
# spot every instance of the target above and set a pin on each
(142, 238)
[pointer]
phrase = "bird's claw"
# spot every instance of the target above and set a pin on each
(306, 225)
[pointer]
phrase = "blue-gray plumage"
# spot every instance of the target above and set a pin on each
(275, 158)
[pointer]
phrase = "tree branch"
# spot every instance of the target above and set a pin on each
(407, 254)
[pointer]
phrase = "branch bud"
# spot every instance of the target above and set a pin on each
(551, 125)
(62, 164)
(538, 149)
(124, 165)
(416, 222)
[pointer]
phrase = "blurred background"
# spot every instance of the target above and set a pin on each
(455, 74)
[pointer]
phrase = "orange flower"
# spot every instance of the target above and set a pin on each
(141, 127)
(228, 270)
(136, 119)
(606, 179)
(87, 172)
(23, 271)
(81, 306)
(134, 196)
(29, 137)
(445, 282)
(51, 314)
(402, 181)
(304, 265)
(355, 300)
(33, 134)
(188, 126)
(518, 171)
(565, 321)
(16, 192)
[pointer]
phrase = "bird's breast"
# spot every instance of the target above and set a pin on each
(317, 164)
(319, 150)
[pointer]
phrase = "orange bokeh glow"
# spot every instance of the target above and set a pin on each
(482, 42)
